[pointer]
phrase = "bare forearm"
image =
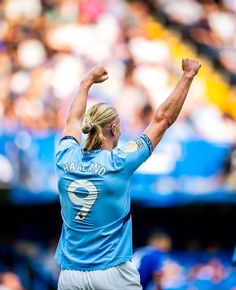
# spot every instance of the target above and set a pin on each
(170, 109)
(79, 102)
(167, 113)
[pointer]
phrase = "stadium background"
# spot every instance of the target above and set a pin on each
(187, 188)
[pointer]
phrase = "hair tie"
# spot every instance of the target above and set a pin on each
(91, 124)
(87, 127)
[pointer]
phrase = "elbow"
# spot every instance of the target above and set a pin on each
(164, 119)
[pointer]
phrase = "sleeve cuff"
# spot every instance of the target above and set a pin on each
(148, 142)
(70, 138)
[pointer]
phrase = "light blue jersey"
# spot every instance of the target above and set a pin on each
(95, 203)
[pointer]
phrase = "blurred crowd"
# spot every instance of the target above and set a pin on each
(47, 46)
(211, 24)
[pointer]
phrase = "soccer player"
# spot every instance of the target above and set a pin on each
(149, 260)
(95, 247)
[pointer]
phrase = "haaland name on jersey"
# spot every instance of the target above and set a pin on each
(84, 167)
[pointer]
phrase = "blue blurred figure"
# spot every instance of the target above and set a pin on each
(149, 260)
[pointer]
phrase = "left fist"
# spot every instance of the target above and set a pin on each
(190, 66)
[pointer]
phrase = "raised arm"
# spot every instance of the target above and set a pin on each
(168, 112)
(79, 103)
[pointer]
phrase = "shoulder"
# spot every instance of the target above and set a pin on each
(67, 144)
(134, 148)
(118, 152)
(118, 157)
(151, 253)
(139, 144)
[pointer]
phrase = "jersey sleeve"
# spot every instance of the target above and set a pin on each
(66, 145)
(137, 152)
(157, 264)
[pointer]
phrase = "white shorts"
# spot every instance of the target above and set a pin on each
(122, 277)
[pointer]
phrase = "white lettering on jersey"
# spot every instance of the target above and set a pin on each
(86, 202)
(92, 167)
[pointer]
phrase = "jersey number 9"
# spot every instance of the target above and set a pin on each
(87, 202)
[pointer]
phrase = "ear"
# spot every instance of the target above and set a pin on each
(113, 129)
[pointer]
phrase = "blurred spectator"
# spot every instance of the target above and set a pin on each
(149, 260)
(210, 24)
(176, 10)
(10, 281)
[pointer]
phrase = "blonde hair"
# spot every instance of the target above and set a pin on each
(96, 118)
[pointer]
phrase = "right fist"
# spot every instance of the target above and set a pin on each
(190, 66)
(98, 74)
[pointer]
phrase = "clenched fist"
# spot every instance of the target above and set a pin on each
(98, 74)
(190, 66)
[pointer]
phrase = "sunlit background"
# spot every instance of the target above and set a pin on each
(188, 186)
